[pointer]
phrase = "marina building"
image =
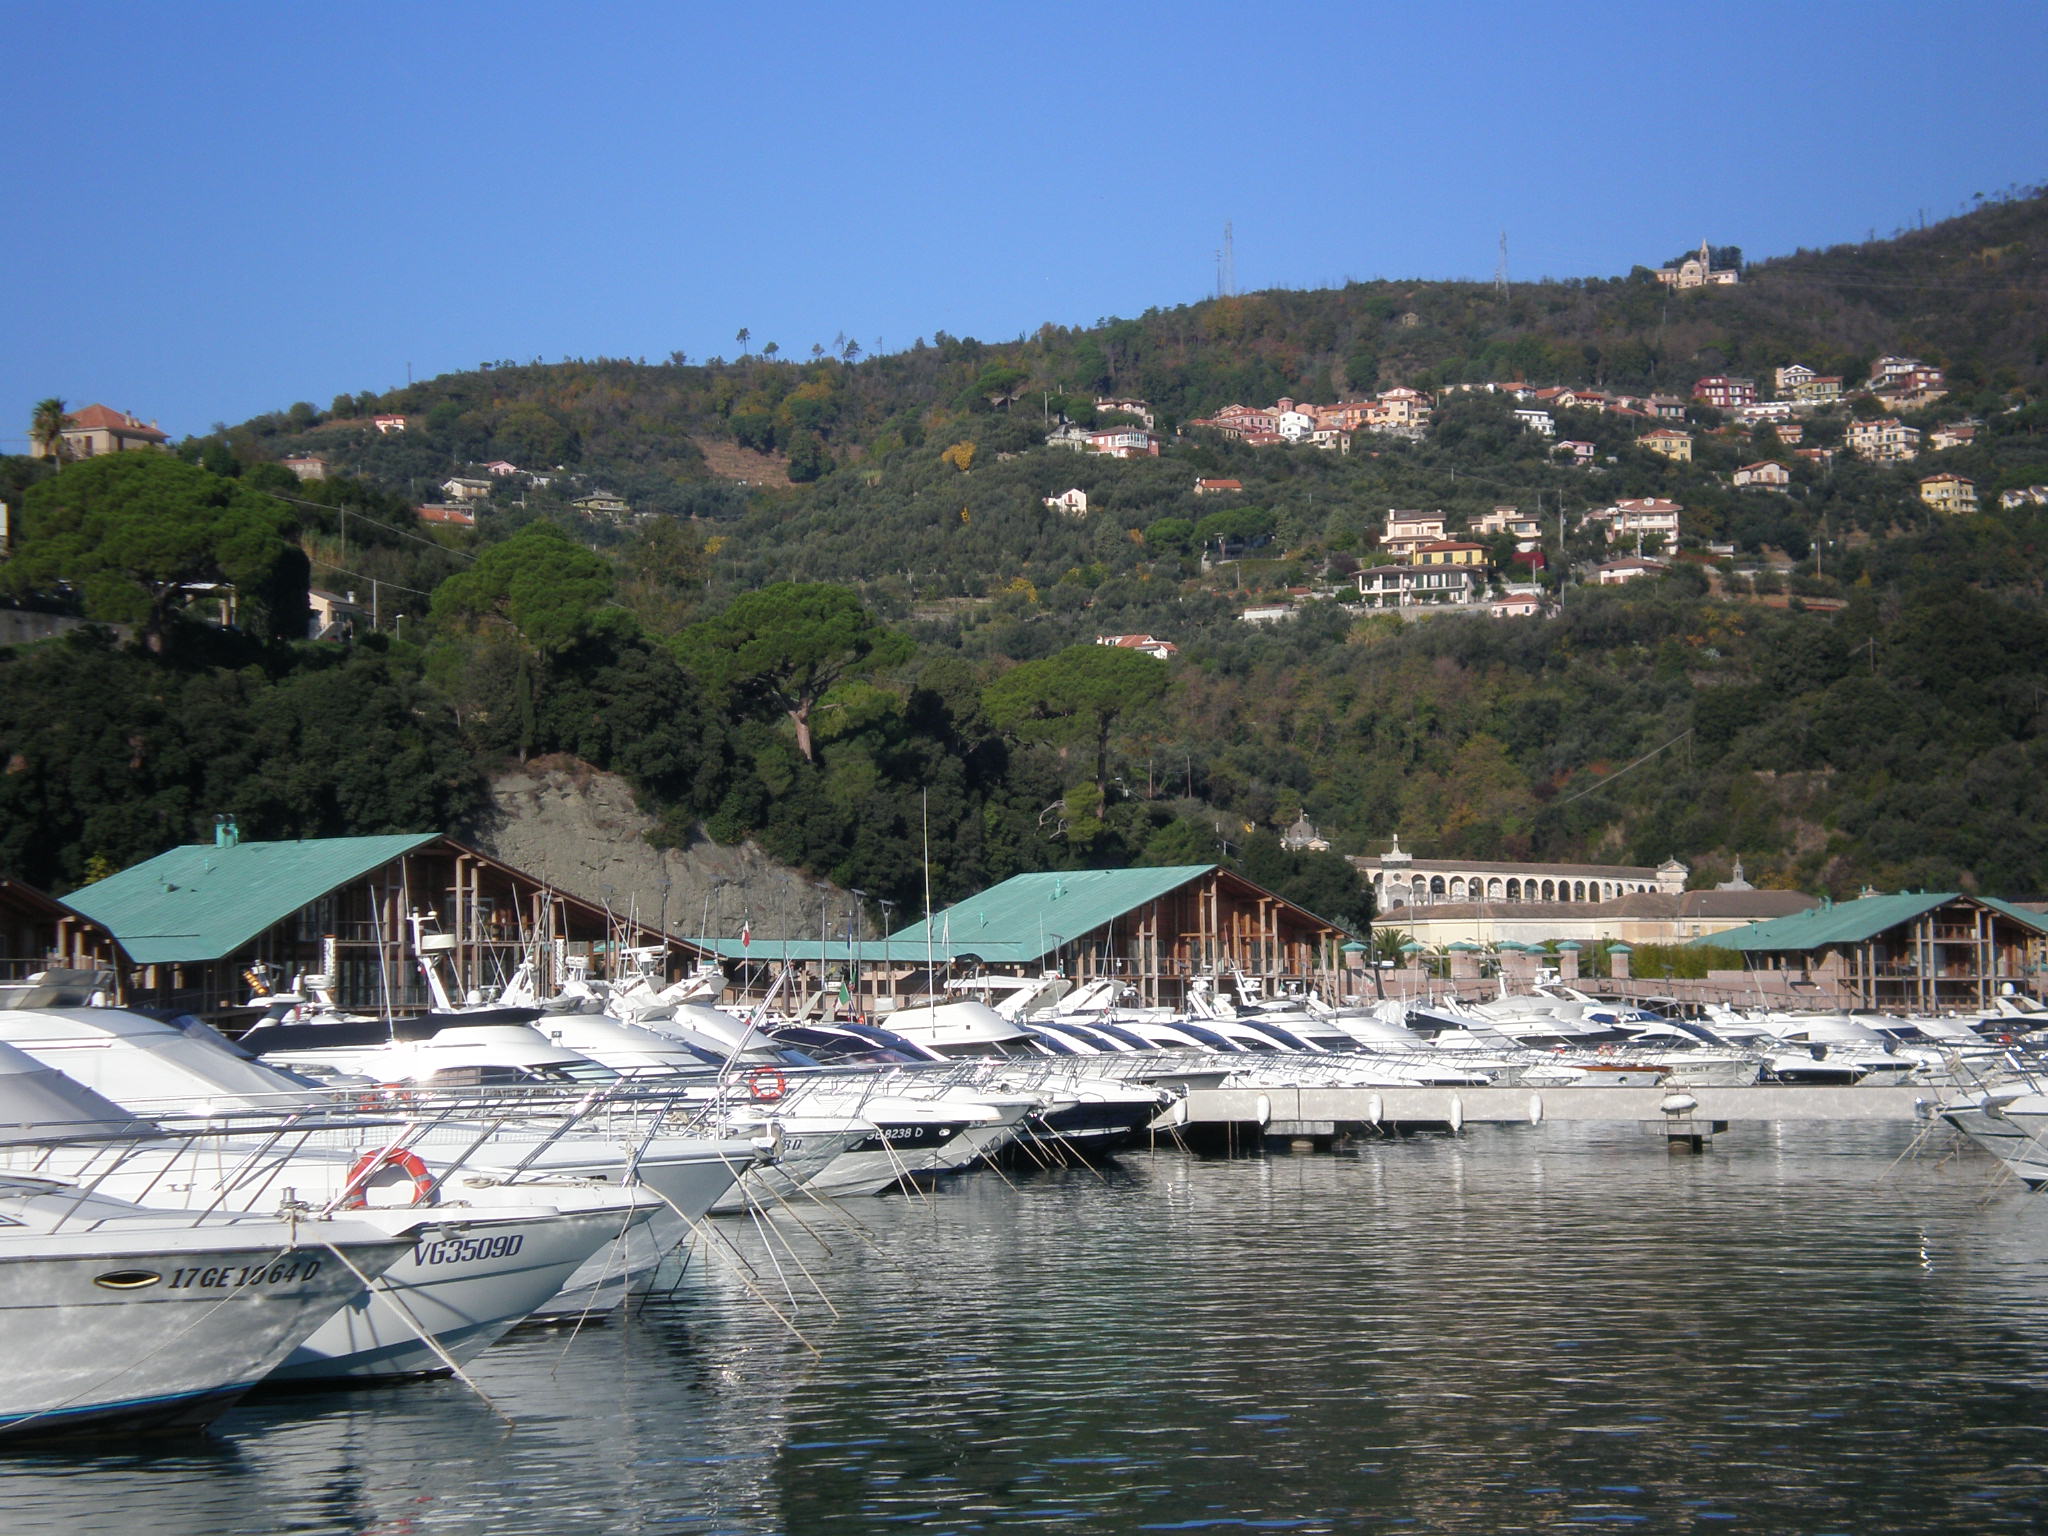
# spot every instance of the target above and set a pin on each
(1910, 952)
(195, 928)
(1159, 930)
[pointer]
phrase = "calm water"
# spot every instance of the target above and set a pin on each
(1554, 1328)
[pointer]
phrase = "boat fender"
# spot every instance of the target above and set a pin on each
(766, 1084)
(356, 1193)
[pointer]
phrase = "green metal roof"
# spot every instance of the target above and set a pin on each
(2035, 920)
(1029, 916)
(762, 951)
(204, 901)
(1852, 922)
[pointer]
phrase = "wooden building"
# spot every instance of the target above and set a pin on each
(200, 927)
(1157, 929)
(1912, 952)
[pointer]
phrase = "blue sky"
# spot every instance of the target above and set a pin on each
(224, 208)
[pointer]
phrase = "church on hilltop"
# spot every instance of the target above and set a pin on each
(1697, 272)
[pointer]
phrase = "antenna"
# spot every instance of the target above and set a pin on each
(1500, 271)
(1226, 270)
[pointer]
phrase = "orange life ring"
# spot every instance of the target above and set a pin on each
(766, 1084)
(356, 1193)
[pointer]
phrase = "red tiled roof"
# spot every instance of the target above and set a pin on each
(101, 418)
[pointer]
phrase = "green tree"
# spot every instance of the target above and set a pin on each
(138, 536)
(550, 590)
(47, 424)
(785, 646)
(1077, 697)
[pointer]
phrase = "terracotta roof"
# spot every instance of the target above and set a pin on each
(101, 418)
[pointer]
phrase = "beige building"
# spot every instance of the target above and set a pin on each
(101, 429)
(1697, 271)
(1671, 443)
(1882, 442)
(1400, 879)
(1769, 474)
(1949, 493)
(1408, 531)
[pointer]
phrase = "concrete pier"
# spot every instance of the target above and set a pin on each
(1317, 1114)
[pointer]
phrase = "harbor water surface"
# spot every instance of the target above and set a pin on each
(1806, 1329)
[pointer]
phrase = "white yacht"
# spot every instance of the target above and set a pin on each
(116, 1318)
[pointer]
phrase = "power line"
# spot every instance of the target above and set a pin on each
(342, 512)
(329, 565)
(1602, 784)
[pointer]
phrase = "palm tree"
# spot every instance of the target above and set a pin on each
(47, 426)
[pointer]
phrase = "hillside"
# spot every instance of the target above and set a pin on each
(1836, 683)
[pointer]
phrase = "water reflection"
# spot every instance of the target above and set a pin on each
(1549, 1328)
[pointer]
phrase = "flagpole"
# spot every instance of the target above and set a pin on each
(930, 990)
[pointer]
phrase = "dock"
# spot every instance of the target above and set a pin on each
(1244, 1116)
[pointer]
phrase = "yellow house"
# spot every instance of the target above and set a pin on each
(1451, 552)
(1673, 445)
(1949, 493)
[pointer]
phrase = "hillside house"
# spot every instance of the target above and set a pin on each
(1138, 410)
(1629, 568)
(1768, 474)
(1821, 389)
(1151, 645)
(1522, 602)
(1665, 407)
(1407, 532)
(386, 425)
(1575, 451)
(601, 504)
(1534, 420)
(1669, 442)
(500, 469)
(447, 513)
(1420, 586)
(1640, 517)
(334, 615)
(1450, 552)
(1527, 530)
(307, 466)
(1219, 487)
(1949, 493)
(1123, 442)
(101, 429)
(1903, 373)
(1956, 434)
(1883, 441)
(2024, 496)
(1239, 421)
(1787, 380)
(1724, 392)
(462, 488)
(1903, 399)
(1771, 411)
(1074, 503)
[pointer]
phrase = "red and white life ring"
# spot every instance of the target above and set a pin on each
(356, 1193)
(766, 1084)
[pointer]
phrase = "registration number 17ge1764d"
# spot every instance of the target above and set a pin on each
(228, 1277)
